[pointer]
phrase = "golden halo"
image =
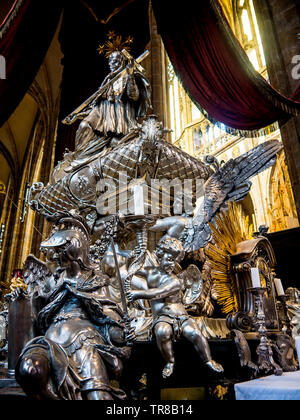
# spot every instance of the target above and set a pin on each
(114, 43)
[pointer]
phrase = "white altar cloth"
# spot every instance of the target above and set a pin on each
(270, 388)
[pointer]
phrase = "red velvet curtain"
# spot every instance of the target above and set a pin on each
(7, 10)
(215, 70)
(25, 37)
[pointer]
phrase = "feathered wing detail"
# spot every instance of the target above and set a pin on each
(192, 284)
(229, 183)
(36, 274)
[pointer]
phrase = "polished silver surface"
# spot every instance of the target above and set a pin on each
(80, 330)
(266, 362)
(171, 321)
(138, 271)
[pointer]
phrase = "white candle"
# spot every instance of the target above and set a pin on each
(139, 208)
(255, 277)
(297, 340)
(279, 287)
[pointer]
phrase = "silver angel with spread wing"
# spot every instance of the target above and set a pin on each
(231, 182)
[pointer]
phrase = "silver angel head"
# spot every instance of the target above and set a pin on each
(169, 252)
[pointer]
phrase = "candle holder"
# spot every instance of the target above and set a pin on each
(139, 225)
(264, 350)
(287, 321)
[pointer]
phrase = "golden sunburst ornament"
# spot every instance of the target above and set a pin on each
(115, 43)
(229, 229)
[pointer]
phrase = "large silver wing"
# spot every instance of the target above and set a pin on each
(229, 183)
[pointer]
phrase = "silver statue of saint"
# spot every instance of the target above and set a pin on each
(123, 98)
(82, 336)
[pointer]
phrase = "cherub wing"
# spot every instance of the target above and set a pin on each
(229, 183)
(35, 273)
(192, 284)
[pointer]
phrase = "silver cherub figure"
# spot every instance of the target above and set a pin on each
(170, 319)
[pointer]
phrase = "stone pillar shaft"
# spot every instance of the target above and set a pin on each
(279, 23)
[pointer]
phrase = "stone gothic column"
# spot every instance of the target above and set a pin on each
(158, 71)
(279, 24)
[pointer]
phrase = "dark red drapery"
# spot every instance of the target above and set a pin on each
(25, 37)
(9, 7)
(210, 62)
(215, 70)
